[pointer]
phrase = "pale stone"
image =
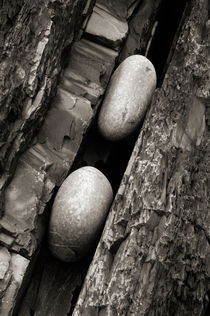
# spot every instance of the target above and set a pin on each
(128, 96)
(15, 268)
(4, 262)
(78, 213)
(103, 24)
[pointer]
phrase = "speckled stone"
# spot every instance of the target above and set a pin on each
(78, 213)
(128, 97)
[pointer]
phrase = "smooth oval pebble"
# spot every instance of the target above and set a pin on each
(78, 213)
(127, 98)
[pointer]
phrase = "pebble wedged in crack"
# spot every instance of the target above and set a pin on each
(78, 213)
(47, 162)
(127, 97)
(153, 256)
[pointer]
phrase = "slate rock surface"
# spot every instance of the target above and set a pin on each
(153, 256)
(106, 28)
(33, 37)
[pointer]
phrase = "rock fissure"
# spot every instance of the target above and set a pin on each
(160, 225)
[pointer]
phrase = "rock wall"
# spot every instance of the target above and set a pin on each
(80, 90)
(159, 220)
(153, 256)
(34, 35)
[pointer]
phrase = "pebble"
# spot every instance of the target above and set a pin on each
(78, 213)
(127, 98)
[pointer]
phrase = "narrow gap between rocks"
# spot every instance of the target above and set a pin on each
(166, 32)
(112, 158)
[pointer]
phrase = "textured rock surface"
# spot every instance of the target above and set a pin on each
(25, 198)
(153, 256)
(141, 28)
(121, 9)
(47, 162)
(89, 70)
(54, 286)
(33, 37)
(127, 98)
(105, 27)
(12, 270)
(78, 214)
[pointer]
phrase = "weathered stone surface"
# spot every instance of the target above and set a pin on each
(12, 271)
(208, 82)
(33, 37)
(74, 114)
(47, 162)
(141, 29)
(127, 98)
(41, 167)
(106, 28)
(53, 286)
(78, 213)
(25, 199)
(121, 9)
(89, 70)
(8, 13)
(153, 256)
(59, 281)
(92, 61)
(55, 276)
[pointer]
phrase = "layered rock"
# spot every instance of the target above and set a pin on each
(106, 28)
(46, 163)
(84, 80)
(33, 37)
(141, 28)
(13, 268)
(153, 256)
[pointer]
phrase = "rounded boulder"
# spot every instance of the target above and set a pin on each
(127, 98)
(78, 213)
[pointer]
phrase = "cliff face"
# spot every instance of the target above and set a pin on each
(35, 39)
(56, 61)
(153, 256)
(34, 35)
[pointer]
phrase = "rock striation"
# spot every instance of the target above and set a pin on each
(75, 102)
(85, 77)
(46, 163)
(104, 27)
(13, 268)
(153, 256)
(34, 37)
